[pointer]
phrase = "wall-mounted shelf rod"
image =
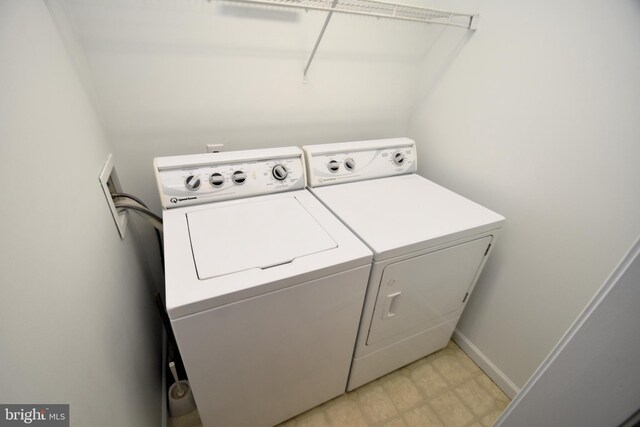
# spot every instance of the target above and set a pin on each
(373, 8)
(315, 47)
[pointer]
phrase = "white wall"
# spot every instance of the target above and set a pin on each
(537, 118)
(77, 319)
(592, 378)
(534, 115)
(172, 76)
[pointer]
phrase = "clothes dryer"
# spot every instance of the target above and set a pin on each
(429, 247)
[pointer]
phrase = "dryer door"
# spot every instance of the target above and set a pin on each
(419, 293)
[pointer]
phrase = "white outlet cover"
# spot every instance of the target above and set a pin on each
(214, 148)
(120, 218)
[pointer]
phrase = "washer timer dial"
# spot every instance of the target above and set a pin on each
(279, 172)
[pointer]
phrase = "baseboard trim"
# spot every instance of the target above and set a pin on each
(498, 377)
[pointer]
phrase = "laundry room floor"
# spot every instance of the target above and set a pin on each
(444, 389)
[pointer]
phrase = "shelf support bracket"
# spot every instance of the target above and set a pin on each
(315, 48)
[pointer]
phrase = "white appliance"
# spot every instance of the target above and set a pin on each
(429, 247)
(264, 286)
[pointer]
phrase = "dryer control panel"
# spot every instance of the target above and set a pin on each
(212, 177)
(354, 161)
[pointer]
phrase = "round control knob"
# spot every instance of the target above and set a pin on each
(192, 182)
(333, 166)
(279, 172)
(398, 158)
(349, 164)
(216, 180)
(239, 177)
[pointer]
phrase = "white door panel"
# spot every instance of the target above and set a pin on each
(421, 292)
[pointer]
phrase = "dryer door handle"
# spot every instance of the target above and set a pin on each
(388, 304)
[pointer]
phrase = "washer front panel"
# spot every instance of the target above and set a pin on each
(356, 161)
(212, 177)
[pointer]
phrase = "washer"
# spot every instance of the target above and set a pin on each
(264, 286)
(429, 247)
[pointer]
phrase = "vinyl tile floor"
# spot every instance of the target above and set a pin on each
(444, 389)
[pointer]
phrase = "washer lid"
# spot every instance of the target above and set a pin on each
(233, 238)
(406, 213)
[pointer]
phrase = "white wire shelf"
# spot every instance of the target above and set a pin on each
(375, 8)
(378, 9)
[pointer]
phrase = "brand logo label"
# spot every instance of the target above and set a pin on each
(181, 199)
(34, 415)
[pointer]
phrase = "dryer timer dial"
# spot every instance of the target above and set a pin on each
(398, 158)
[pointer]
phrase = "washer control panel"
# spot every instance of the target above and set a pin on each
(354, 161)
(211, 177)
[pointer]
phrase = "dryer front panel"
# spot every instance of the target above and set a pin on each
(419, 293)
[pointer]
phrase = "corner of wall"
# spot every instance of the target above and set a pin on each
(489, 368)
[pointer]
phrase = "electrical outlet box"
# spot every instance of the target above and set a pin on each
(214, 148)
(111, 185)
